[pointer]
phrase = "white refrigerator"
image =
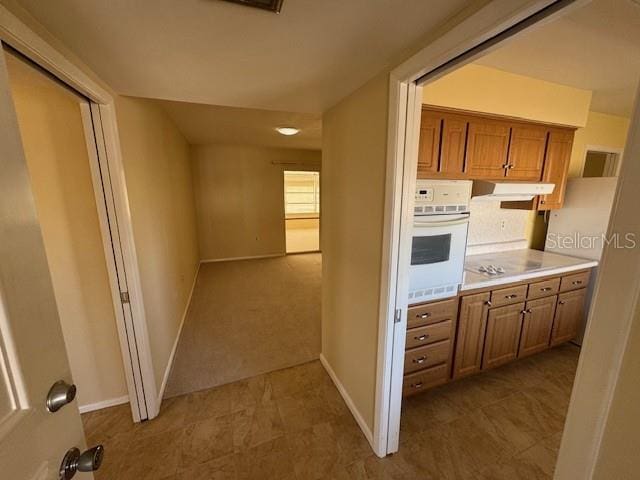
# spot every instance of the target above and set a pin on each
(579, 227)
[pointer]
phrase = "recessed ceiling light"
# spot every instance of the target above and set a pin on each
(288, 131)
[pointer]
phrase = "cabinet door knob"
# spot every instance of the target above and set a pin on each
(488, 303)
(561, 302)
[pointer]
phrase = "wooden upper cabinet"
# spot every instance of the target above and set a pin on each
(472, 324)
(556, 166)
(484, 147)
(526, 152)
(454, 138)
(487, 146)
(429, 147)
(569, 315)
(503, 335)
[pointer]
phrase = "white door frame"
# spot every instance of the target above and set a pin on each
(458, 44)
(113, 208)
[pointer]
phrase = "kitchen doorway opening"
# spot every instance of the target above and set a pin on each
(452, 416)
(601, 162)
(302, 211)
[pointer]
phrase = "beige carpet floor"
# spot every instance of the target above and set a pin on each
(247, 318)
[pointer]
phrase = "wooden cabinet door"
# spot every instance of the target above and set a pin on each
(454, 137)
(536, 325)
(472, 324)
(503, 335)
(568, 317)
(526, 152)
(487, 145)
(556, 166)
(429, 147)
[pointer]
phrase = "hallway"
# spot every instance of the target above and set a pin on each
(247, 318)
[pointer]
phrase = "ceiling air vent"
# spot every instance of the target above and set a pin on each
(271, 5)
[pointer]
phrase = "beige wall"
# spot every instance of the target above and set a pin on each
(352, 205)
(483, 89)
(159, 184)
(240, 198)
(56, 153)
(601, 130)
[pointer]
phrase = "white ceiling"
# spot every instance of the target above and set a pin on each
(206, 124)
(596, 47)
(305, 59)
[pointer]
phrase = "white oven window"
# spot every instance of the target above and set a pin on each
(430, 249)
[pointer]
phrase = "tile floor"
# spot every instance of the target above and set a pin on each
(246, 318)
(293, 425)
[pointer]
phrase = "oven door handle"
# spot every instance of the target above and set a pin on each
(444, 223)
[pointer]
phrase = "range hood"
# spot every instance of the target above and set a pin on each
(509, 191)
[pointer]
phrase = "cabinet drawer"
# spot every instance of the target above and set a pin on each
(424, 379)
(432, 313)
(543, 289)
(573, 282)
(417, 337)
(506, 296)
(428, 356)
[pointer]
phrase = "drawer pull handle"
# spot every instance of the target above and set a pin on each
(416, 385)
(509, 297)
(545, 289)
(577, 282)
(420, 360)
(424, 315)
(422, 338)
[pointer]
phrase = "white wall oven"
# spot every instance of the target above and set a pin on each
(441, 221)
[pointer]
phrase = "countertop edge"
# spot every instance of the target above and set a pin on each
(529, 276)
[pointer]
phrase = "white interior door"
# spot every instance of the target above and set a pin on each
(33, 441)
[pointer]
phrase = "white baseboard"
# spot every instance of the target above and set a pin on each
(230, 259)
(175, 343)
(112, 402)
(347, 399)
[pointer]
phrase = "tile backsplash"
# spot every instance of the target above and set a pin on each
(492, 228)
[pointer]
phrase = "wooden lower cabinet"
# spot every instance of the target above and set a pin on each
(424, 379)
(536, 325)
(503, 335)
(472, 323)
(453, 338)
(568, 317)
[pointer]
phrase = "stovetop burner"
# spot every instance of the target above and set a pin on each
(491, 270)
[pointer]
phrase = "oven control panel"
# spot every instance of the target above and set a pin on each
(442, 196)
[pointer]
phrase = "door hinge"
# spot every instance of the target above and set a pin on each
(398, 315)
(124, 297)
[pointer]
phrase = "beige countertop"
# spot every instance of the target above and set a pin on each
(519, 265)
